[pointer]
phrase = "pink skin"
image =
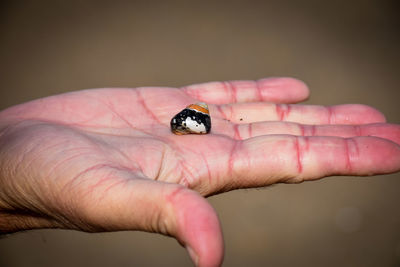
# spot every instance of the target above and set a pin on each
(105, 159)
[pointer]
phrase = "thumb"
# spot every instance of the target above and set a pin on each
(170, 209)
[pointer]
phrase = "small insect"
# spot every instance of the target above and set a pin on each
(194, 119)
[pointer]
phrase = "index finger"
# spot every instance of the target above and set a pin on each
(277, 90)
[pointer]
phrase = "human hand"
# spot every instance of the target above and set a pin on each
(106, 160)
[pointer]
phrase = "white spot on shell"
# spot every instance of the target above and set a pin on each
(194, 125)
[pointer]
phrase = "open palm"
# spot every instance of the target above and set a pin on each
(105, 159)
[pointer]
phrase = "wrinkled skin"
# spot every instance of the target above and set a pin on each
(106, 160)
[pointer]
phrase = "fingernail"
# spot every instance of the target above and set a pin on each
(193, 255)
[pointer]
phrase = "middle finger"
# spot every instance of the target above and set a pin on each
(249, 130)
(305, 114)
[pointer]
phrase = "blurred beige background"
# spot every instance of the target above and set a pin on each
(346, 51)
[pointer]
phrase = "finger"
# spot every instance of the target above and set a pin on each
(122, 203)
(245, 131)
(305, 114)
(277, 90)
(264, 160)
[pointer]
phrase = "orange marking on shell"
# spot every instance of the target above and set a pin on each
(177, 132)
(198, 108)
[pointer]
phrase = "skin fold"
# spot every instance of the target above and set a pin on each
(106, 160)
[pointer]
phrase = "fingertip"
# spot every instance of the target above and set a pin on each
(372, 114)
(198, 228)
(205, 236)
(283, 89)
(193, 255)
(377, 155)
(375, 115)
(357, 114)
